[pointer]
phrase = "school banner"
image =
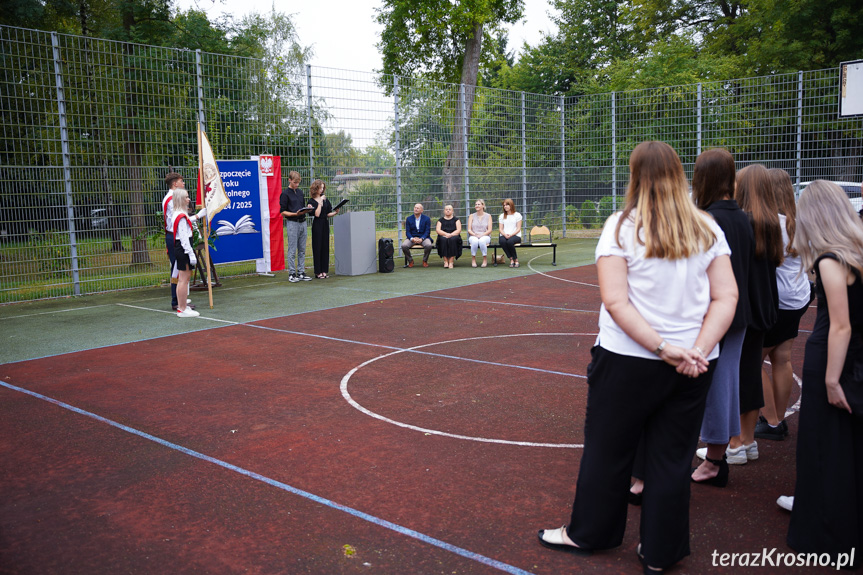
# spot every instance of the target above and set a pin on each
(237, 228)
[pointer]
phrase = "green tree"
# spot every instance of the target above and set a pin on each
(444, 40)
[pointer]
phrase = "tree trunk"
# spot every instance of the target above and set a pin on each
(453, 171)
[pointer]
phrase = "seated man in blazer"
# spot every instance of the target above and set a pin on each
(418, 231)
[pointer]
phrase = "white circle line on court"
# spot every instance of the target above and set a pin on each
(346, 394)
(530, 261)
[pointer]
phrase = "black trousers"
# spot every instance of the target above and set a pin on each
(169, 246)
(630, 398)
(321, 246)
(508, 245)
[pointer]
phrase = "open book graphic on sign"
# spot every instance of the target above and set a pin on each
(244, 225)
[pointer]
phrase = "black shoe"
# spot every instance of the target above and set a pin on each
(764, 430)
(635, 498)
(721, 479)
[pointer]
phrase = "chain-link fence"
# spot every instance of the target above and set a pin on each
(90, 127)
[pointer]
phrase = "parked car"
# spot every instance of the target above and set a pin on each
(100, 220)
(852, 190)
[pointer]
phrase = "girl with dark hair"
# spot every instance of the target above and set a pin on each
(794, 297)
(321, 228)
(713, 183)
(668, 295)
(754, 193)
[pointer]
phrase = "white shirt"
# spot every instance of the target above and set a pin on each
(510, 223)
(671, 295)
(168, 211)
(184, 233)
(792, 283)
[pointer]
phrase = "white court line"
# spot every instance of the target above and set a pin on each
(500, 565)
(378, 345)
(343, 386)
(530, 261)
(55, 311)
(490, 302)
(175, 313)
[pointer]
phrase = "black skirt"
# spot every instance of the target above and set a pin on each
(182, 258)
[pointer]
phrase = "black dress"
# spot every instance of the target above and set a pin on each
(321, 237)
(827, 516)
(449, 247)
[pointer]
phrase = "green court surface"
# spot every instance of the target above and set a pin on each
(50, 327)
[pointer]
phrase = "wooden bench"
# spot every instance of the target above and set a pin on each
(534, 231)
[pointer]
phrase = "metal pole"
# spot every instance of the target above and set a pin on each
(67, 163)
(613, 152)
(799, 131)
(523, 159)
(200, 73)
(464, 140)
(398, 163)
(309, 110)
(563, 163)
(698, 146)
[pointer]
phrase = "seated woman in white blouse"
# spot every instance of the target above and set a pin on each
(509, 225)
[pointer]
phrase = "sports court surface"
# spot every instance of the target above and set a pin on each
(425, 421)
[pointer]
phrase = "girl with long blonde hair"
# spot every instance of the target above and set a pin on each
(664, 308)
(827, 509)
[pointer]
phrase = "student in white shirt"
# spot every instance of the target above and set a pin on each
(668, 295)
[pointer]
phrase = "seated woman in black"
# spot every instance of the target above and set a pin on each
(449, 240)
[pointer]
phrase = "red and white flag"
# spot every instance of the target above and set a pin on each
(215, 199)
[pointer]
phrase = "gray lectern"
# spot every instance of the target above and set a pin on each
(354, 243)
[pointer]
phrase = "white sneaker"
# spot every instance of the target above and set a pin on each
(188, 312)
(786, 502)
(737, 456)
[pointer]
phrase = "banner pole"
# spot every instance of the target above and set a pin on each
(206, 218)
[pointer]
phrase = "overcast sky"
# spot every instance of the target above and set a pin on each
(343, 33)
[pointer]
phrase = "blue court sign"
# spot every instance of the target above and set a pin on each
(238, 226)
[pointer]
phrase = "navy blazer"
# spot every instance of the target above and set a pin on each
(424, 230)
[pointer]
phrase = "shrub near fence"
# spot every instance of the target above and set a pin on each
(91, 126)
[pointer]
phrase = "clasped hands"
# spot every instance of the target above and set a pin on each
(689, 362)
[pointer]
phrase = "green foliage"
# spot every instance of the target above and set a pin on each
(51, 252)
(589, 215)
(606, 208)
(430, 37)
(572, 216)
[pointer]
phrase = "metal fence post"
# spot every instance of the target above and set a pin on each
(799, 130)
(398, 163)
(613, 151)
(698, 128)
(563, 163)
(67, 163)
(464, 140)
(309, 110)
(199, 72)
(523, 158)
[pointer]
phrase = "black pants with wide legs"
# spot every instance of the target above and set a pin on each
(508, 245)
(628, 398)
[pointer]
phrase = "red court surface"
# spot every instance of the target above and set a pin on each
(423, 434)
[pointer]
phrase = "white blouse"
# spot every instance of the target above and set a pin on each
(792, 283)
(510, 223)
(672, 295)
